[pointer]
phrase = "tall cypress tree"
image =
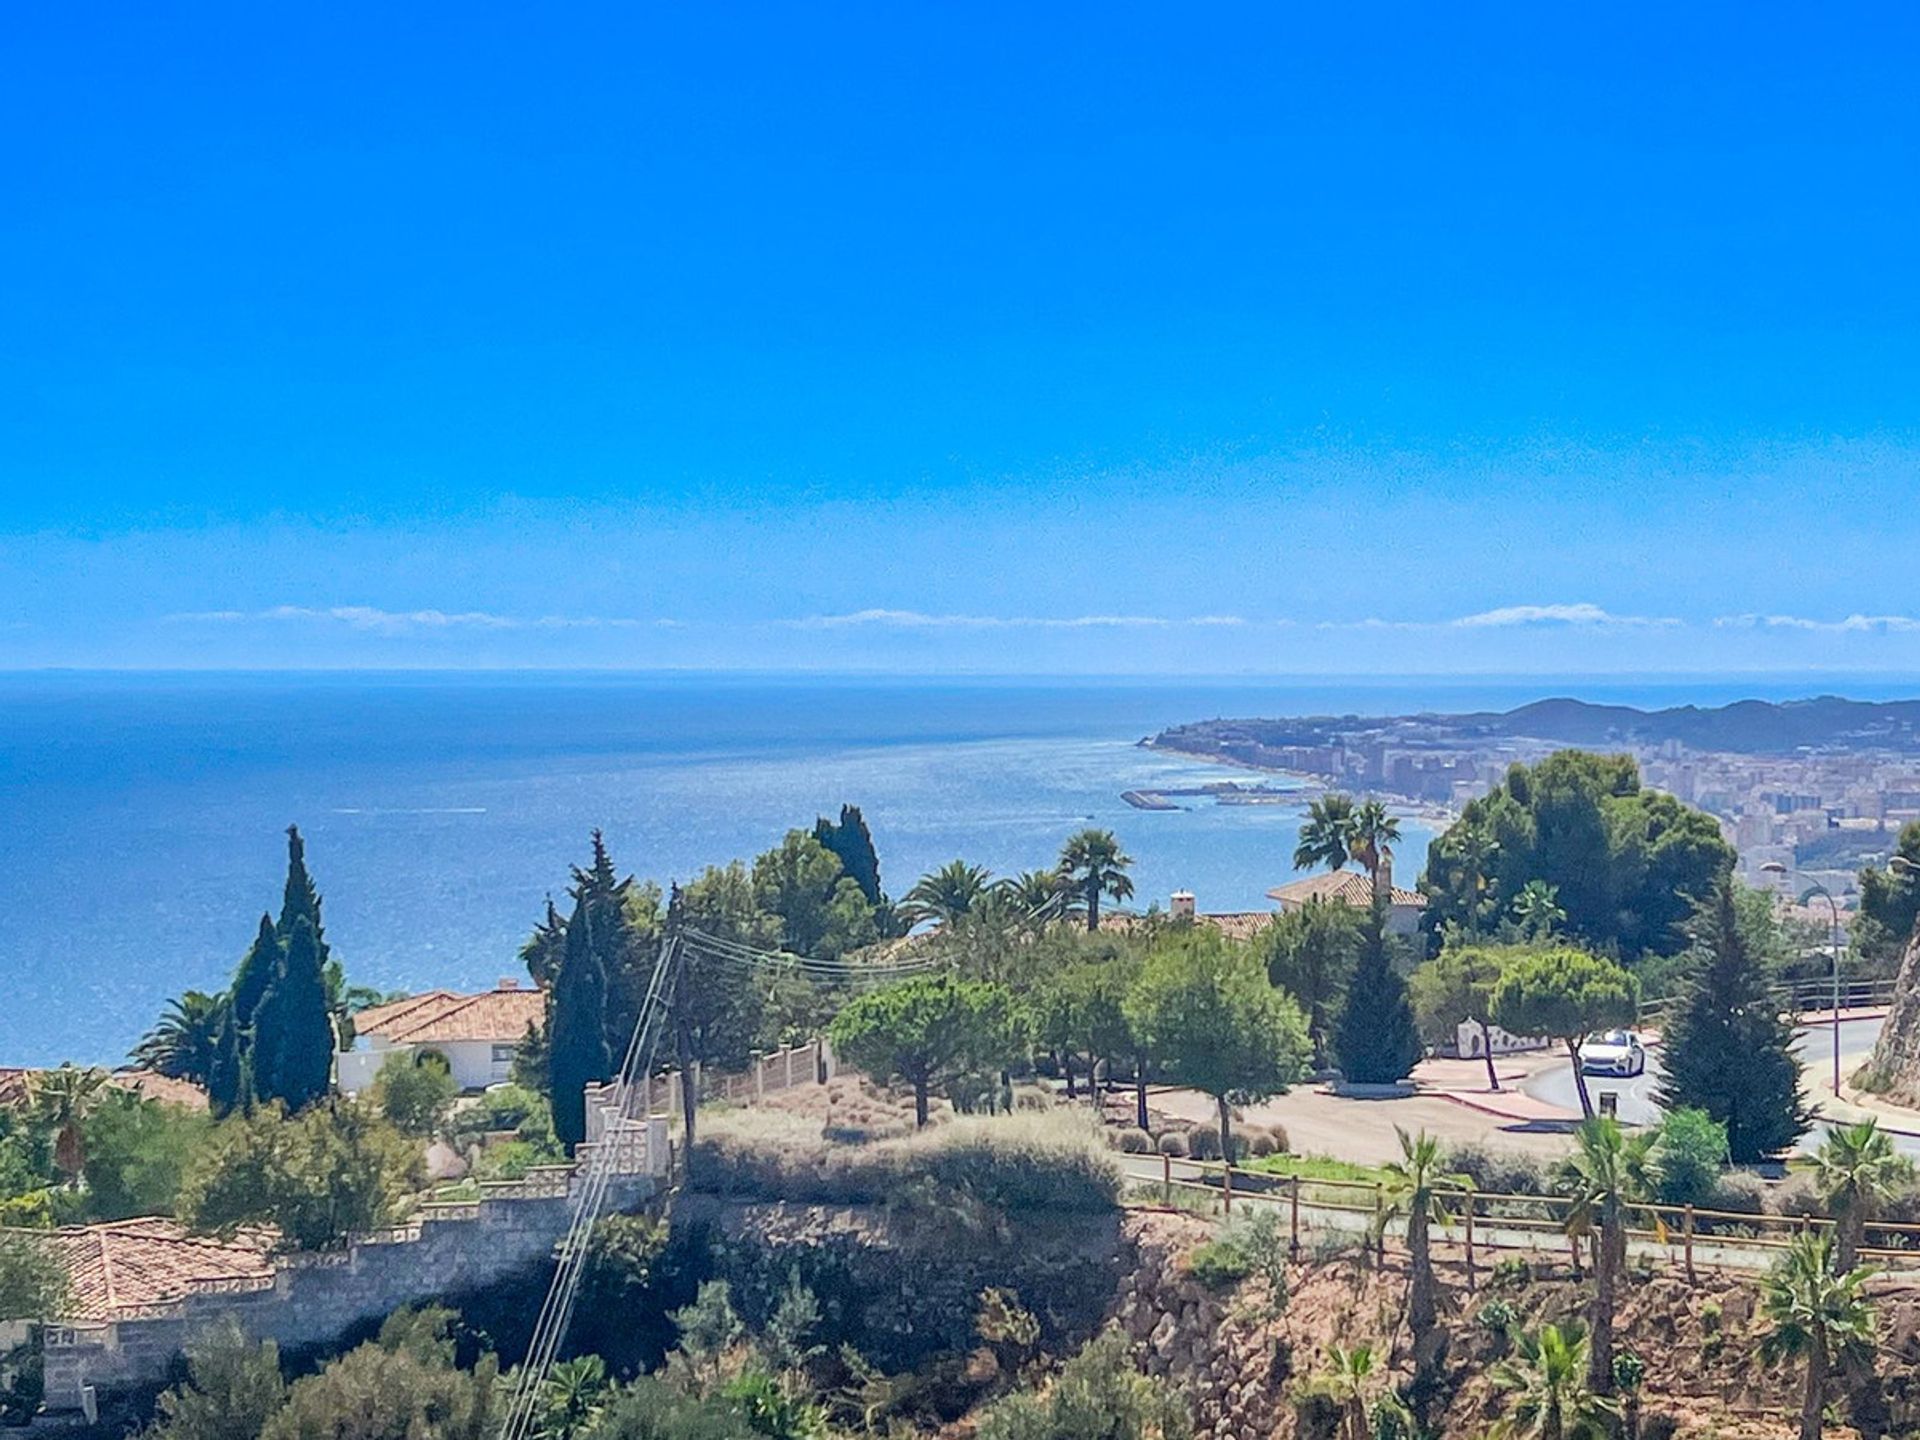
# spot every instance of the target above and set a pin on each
(853, 843)
(301, 899)
(258, 970)
(576, 1027)
(1727, 1049)
(1376, 1041)
(292, 1036)
(229, 1087)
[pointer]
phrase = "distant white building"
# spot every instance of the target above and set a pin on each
(478, 1035)
(1354, 888)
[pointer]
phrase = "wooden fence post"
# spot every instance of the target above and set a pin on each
(1293, 1243)
(1686, 1230)
(1166, 1180)
(1226, 1188)
(1469, 1208)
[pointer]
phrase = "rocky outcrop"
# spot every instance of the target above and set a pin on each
(1895, 1067)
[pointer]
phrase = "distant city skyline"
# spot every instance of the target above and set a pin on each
(1098, 340)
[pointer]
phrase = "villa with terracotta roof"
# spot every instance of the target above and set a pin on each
(477, 1035)
(1355, 888)
(118, 1270)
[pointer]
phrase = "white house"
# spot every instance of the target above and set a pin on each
(1355, 888)
(477, 1035)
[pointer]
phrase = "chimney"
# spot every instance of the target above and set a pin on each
(1383, 879)
(1183, 905)
(509, 982)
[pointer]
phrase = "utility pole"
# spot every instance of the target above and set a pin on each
(682, 1025)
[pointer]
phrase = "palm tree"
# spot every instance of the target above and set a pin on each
(1355, 1382)
(1813, 1310)
(1607, 1177)
(1035, 895)
(62, 1099)
(182, 1044)
(1553, 1399)
(1413, 1187)
(1326, 835)
(572, 1398)
(1857, 1170)
(1536, 910)
(1374, 833)
(945, 894)
(1091, 865)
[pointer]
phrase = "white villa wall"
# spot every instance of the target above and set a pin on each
(475, 1064)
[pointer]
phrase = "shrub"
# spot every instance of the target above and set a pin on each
(1499, 1172)
(1173, 1143)
(317, 1176)
(415, 1094)
(504, 1107)
(1219, 1263)
(1041, 1160)
(1260, 1143)
(1282, 1142)
(1203, 1143)
(1740, 1191)
(1497, 1316)
(1098, 1395)
(1135, 1141)
(1689, 1156)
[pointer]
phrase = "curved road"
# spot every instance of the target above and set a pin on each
(1555, 1084)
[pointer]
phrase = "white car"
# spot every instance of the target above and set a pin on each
(1617, 1052)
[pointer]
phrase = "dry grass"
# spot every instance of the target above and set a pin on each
(1045, 1160)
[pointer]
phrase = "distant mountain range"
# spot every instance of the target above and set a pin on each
(1755, 727)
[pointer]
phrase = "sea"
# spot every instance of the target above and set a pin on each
(142, 816)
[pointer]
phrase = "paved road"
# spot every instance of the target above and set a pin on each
(1555, 1083)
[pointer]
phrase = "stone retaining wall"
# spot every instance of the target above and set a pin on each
(314, 1298)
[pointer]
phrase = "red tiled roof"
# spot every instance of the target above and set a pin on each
(1347, 887)
(442, 1017)
(127, 1265)
(16, 1087)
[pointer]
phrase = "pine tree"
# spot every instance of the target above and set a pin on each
(542, 951)
(292, 1034)
(301, 900)
(1376, 1039)
(853, 843)
(258, 970)
(1728, 1050)
(578, 1054)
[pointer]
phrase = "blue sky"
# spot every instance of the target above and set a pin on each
(1104, 338)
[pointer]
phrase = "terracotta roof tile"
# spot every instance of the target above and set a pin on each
(1348, 887)
(499, 1015)
(118, 1268)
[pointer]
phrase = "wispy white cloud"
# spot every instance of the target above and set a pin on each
(372, 620)
(1581, 614)
(1856, 624)
(922, 620)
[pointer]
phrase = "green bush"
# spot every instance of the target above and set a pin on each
(1203, 1143)
(1260, 1143)
(1044, 1160)
(1098, 1395)
(1499, 1172)
(1219, 1264)
(1173, 1143)
(416, 1094)
(651, 1409)
(1689, 1156)
(137, 1154)
(317, 1176)
(1135, 1141)
(503, 1107)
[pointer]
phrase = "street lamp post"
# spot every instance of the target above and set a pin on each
(1774, 867)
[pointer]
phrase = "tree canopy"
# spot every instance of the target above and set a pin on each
(928, 1030)
(1564, 995)
(1376, 1041)
(1626, 864)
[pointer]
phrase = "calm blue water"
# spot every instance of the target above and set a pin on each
(141, 816)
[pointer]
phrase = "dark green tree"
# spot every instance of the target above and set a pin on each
(927, 1031)
(1889, 903)
(229, 1076)
(259, 968)
(1565, 995)
(542, 951)
(578, 1055)
(301, 900)
(182, 1044)
(292, 1032)
(853, 843)
(1376, 1041)
(1092, 864)
(1728, 1049)
(1626, 864)
(1310, 952)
